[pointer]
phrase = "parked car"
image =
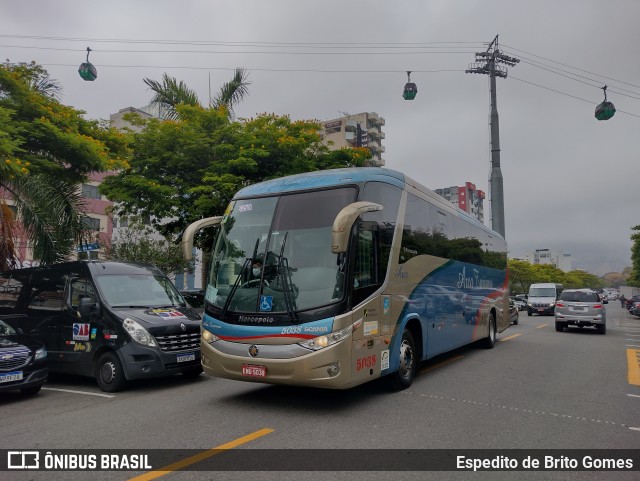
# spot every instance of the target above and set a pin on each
(635, 309)
(23, 361)
(520, 304)
(513, 312)
(628, 304)
(580, 307)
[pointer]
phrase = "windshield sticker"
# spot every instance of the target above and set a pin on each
(82, 347)
(385, 301)
(94, 332)
(266, 303)
(167, 313)
(80, 331)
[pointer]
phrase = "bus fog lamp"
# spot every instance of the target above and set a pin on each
(333, 369)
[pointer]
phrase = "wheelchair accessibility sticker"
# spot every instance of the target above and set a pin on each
(266, 303)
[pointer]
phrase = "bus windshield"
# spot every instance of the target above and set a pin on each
(273, 254)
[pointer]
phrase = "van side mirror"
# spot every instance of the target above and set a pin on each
(88, 308)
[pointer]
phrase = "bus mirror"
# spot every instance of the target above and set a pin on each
(190, 231)
(344, 221)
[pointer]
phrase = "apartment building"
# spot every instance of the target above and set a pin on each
(466, 198)
(357, 130)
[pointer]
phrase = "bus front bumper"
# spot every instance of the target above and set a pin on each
(326, 368)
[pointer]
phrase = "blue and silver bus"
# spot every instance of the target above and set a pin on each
(334, 278)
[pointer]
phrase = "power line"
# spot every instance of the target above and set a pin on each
(568, 95)
(574, 68)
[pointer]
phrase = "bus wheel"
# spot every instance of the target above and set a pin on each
(403, 377)
(109, 373)
(490, 340)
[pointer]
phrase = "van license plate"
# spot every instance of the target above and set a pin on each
(11, 376)
(186, 357)
(254, 371)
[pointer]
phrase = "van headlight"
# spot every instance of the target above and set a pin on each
(41, 354)
(139, 333)
(327, 340)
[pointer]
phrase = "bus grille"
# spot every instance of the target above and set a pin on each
(179, 342)
(14, 358)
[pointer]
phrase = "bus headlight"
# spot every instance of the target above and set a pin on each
(138, 333)
(209, 337)
(327, 340)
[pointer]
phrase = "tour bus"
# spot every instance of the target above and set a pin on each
(334, 278)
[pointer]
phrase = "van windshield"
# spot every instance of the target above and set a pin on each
(542, 292)
(139, 290)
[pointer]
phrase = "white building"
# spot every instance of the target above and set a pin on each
(547, 256)
(357, 130)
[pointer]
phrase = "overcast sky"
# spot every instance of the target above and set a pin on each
(571, 182)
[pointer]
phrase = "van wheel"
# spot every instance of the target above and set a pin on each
(109, 373)
(490, 340)
(193, 373)
(403, 377)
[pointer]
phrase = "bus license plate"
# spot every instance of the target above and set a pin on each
(11, 376)
(186, 357)
(254, 371)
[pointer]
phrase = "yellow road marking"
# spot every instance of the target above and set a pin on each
(440, 364)
(201, 456)
(510, 337)
(541, 326)
(633, 366)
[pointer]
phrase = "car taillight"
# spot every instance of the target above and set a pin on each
(597, 306)
(559, 304)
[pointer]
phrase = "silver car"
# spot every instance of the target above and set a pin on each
(580, 307)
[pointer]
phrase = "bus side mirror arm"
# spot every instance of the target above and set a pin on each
(344, 221)
(190, 232)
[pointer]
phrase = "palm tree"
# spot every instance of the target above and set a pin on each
(169, 93)
(50, 212)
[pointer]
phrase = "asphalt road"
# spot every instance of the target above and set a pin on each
(537, 389)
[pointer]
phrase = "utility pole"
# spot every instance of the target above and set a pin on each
(488, 63)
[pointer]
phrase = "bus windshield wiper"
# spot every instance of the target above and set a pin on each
(246, 266)
(287, 285)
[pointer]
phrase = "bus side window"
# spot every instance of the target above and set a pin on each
(364, 272)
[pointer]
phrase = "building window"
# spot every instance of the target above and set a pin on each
(90, 191)
(91, 223)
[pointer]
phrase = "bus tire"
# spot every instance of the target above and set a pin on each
(403, 377)
(109, 372)
(490, 340)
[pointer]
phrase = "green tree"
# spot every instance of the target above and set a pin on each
(634, 278)
(139, 243)
(521, 276)
(46, 150)
(189, 168)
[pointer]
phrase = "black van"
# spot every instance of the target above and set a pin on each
(113, 321)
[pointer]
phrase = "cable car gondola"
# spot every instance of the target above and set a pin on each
(86, 70)
(410, 89)
(606, 109)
